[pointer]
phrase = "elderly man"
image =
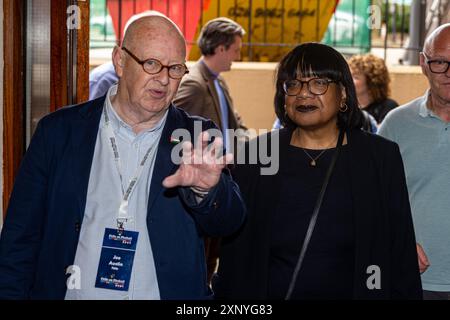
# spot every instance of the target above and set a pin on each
(99, 209)
(422, 130)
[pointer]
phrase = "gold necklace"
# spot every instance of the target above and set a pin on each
(313, 162)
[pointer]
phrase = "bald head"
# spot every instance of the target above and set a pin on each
(149, 26)
(141, 15)
(439, 38)
(435, 66)
(143, 92)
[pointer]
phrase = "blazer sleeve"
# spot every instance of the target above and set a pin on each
(22, 231)
(222, 212)
(406, 282)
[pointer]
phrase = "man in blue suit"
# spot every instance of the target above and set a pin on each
(99, 209)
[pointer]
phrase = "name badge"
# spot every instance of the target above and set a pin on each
(116, 259)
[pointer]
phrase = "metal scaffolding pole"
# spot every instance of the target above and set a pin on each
(416, 31)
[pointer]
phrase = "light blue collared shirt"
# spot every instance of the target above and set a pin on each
(102, 204)
(223, 108)
(424, 141)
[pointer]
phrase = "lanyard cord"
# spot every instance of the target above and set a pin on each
(126, 193)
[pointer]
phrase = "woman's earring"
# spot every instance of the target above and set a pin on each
(343, 108)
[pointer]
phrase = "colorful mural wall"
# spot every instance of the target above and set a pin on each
(272, 26)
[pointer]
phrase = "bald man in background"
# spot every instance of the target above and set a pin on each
(99, 209)
(422, 130)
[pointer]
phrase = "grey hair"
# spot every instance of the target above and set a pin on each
(216, 32)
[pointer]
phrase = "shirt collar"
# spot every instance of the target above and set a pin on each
(214, 75)
(118, 123)
(424, 111)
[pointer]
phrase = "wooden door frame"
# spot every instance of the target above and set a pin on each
(59, 61)
(13, 92)
(14, 41)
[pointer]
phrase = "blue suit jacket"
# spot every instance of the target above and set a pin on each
(41, 230)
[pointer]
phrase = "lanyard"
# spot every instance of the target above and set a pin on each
(126, 193)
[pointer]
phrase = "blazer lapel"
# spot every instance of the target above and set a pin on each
(84, 137)
(363, 182)
(163, 164)
(209, 80)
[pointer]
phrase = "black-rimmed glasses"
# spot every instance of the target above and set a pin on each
(316, 86)
(437, 65)
(154, 66)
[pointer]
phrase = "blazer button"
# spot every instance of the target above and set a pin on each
(215, 205)
(77, 227)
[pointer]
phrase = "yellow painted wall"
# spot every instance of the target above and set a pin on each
(407, 83)
(272, 21)
(252, 87)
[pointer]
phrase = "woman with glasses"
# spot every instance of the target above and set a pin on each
(334, 222)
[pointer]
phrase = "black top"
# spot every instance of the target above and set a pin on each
(383, 229)
(327, 270)
(379, 109)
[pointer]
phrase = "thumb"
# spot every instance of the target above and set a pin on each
(172, 181)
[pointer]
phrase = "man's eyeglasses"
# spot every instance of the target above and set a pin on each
(316, 86)
(154, 66)
(437, 65)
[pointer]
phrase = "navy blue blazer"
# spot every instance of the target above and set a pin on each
(46, 208)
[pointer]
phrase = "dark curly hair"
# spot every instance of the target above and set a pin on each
(313, 59)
